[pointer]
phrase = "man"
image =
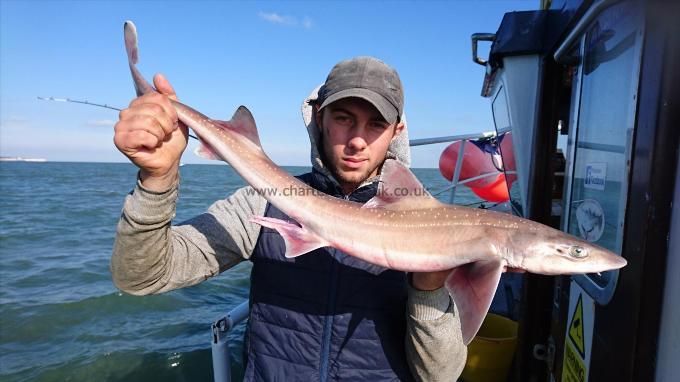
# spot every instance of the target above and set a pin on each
(321, 316)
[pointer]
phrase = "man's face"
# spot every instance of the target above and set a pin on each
(354, 140)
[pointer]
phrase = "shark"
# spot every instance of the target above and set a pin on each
(402, 228)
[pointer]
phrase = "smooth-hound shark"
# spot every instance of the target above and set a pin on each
(413, 233)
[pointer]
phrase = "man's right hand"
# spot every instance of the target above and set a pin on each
(150, 135)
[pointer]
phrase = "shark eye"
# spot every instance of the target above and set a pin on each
(578, 252)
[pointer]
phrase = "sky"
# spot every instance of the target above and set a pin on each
(267, 56)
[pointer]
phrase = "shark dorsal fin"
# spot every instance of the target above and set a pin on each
(243, 123)
(399, 189)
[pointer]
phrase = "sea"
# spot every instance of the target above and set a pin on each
(62, 319)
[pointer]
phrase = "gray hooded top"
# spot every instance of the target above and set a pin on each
(399, 147)
(150, 256)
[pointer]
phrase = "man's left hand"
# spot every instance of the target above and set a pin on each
(429, 281)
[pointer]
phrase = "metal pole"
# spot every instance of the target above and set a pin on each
(221, 354)
(456, 172)
(583, 23)
(449, 138)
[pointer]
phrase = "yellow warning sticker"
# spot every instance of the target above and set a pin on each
(576, 327)
(573, 369)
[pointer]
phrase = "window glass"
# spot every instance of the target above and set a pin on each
(501, 119)
(605, 125)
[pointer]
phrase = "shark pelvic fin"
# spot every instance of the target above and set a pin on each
(298, 239)
(399, 189)
(472, 287)
(206, 152)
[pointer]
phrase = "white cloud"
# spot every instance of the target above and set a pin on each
(307, 23)
(286, 20)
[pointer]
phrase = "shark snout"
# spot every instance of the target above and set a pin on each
(618, 262)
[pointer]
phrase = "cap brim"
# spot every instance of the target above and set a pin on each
(386, 109)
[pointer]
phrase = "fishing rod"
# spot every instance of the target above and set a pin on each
(86, 102)
(76, 101)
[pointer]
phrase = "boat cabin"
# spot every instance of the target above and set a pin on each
(589, 92)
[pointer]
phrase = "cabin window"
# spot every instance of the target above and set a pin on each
(601, 143)
(501, 119)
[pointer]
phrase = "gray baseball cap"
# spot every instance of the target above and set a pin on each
(367, 78)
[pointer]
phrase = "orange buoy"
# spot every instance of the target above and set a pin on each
(495, 192)
(476, 162)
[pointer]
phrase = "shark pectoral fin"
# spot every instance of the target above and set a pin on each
(472, 287)
(399, 189)
(299, 240)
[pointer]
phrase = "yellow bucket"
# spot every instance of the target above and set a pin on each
(490, 352)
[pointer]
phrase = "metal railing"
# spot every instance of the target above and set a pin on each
(221, 352)
(464, 138)
(584, 22)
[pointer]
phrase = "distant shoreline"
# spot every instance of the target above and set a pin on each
(22, 159)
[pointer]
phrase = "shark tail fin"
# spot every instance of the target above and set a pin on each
(142, 86)
(130, 32)
(299, 240)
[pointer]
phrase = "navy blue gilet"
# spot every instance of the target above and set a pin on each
(323, 316)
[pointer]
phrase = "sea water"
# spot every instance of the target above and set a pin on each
(62, 319)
